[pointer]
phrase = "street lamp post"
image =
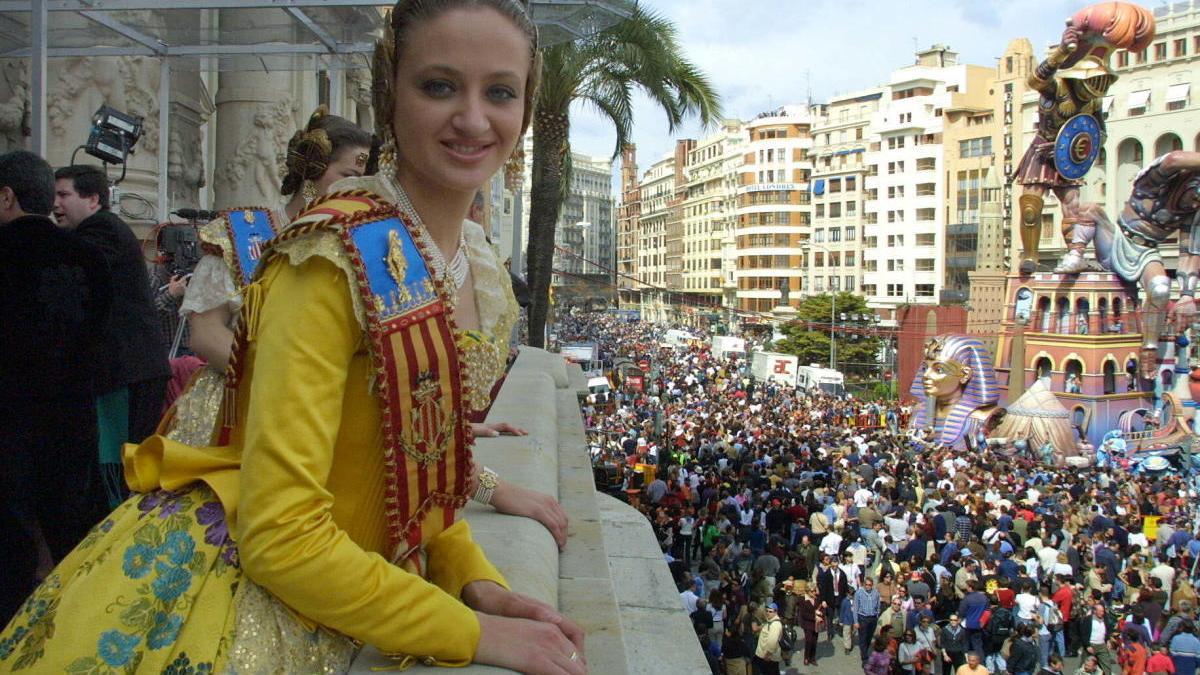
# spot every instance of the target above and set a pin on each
(832, 312)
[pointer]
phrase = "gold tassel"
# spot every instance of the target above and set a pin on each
(245, 332)
(251, 304)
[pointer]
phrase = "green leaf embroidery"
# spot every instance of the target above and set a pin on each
(199, 563)
(149, 535)
(85, 665)
(139, 616)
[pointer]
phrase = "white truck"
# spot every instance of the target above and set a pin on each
(677, 339)
(725, 345)
(817, 379)
(581, 352)
(774, 367)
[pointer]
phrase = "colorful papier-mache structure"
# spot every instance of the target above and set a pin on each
(956, 390)
(1072, 82)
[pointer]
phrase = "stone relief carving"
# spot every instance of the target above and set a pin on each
(260, 155)
(185, 166)
(15, 111)
(128, 83)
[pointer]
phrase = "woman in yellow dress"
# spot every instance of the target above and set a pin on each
(328, 515)
(328, 149)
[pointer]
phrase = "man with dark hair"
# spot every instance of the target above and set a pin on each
(133, 371)
(55, 300)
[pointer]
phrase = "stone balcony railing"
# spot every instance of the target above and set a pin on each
(611, 578)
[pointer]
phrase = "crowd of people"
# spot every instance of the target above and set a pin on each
(790, 518)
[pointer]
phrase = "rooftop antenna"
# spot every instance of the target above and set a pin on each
(915, 48)
(807, 88)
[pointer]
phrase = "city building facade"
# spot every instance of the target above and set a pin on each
(774, 210)
(841, 138)
(903, 248)
(586, 228)
(657, 190)
(708, 211)
(628, 227)
(970, 138)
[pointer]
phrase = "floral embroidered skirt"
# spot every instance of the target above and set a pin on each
(156, 588)
(150, 589)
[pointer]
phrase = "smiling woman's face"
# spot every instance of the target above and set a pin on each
(459, 99)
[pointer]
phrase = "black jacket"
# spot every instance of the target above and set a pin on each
(1023, 656)
(55, 295)
(132, 343)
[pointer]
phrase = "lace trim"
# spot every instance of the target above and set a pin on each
(326, 245)
(486, 359)
(211, 286)
(494, 300)
(214, 239)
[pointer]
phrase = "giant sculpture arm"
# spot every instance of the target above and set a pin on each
(1179, 160)
(1042, 78)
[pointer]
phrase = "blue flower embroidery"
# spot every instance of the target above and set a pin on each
(179, 548)
(138, 560)
(171, 583)
(116, 648)
(37, 610)
(165, 631)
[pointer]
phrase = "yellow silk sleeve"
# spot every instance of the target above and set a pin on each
(455, 560)
(287, 538)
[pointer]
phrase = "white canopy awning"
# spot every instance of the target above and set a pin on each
(1178, 92)
(1139, 99)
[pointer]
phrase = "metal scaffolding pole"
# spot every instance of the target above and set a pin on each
(164, 137)
(337, 87)
(37, 76)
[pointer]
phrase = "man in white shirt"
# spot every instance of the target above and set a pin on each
(689, 598)
(862, 497)
(831, 545)
(897, 527)
(1098, 641)
(1165, 573)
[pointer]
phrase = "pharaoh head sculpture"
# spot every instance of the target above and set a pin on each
(957, 372)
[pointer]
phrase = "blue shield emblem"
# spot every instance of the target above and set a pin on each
(1077, 146)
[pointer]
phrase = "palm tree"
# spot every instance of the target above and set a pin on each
(640, 52)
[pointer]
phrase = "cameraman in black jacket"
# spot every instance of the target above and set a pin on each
(132, 373)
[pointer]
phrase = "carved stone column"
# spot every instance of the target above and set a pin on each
(14, 105)
(254, 121)
(358, 90)
(190, 110)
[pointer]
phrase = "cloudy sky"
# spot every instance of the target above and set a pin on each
(761, 54)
